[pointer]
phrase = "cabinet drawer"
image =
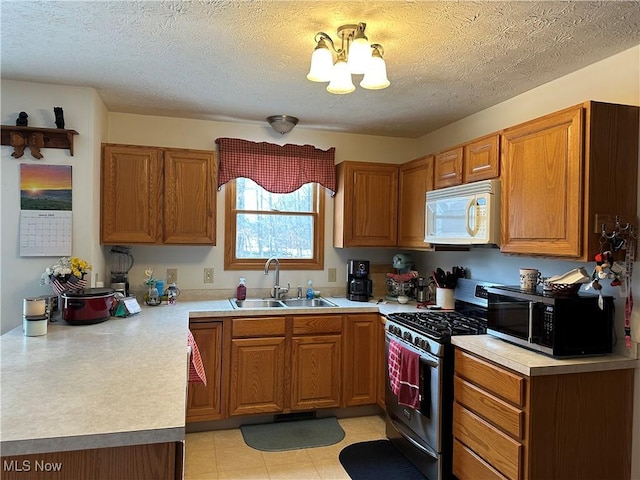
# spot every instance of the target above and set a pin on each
(495, 447)
(258, 327)
(498, 412)
(469, 466)
(310, 324)
(501, 382)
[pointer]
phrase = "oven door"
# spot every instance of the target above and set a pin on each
(420, 427)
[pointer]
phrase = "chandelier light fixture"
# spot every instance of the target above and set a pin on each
(355, 56)
(282, 123)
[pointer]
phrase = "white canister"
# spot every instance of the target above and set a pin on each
(34, 306)
(35, 325)
(445, 298)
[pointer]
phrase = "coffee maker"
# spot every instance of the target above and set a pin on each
(359, 286)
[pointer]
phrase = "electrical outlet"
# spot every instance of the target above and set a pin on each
(208, 275)
(332, 274)
(172, 275)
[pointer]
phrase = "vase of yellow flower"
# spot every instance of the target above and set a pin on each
(66, 274)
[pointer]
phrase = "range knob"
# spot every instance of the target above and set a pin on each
(408, 337)
(416, 341)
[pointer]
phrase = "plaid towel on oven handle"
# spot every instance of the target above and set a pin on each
(394, 362)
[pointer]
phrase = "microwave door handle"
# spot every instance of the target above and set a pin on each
(471, 206)
(531, 312)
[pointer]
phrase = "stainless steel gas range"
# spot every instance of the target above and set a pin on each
(422, 428)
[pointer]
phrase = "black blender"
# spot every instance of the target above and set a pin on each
(121, 263)
(359, 286)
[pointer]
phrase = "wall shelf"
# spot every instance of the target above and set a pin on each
(36, 138)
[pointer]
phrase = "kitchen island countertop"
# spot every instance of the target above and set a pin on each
(533, 364)
(115, 383)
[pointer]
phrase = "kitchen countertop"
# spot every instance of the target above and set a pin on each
(123, 381)
(119, 382)
(533, 364)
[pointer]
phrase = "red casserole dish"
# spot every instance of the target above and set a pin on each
(86, 306)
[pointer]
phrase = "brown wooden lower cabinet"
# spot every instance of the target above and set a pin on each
(204, 402)
(360, 365)
(382, 363)
(561, 426)
(156, 461)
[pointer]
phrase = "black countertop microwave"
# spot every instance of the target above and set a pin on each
(556, 325)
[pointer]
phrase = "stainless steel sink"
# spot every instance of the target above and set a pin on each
(255, 303)
(290, 303)
(308, 303)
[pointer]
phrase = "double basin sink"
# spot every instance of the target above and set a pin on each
(284, 303)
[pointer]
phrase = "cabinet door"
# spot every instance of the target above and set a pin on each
(131, 208)
(366, 206)
(448, 168)
(189, 206)
(204, 401)
(482, 159)
(315, 372)
(257, 372)
(542, 186)
(382, 362)
(360, 363)
(415, 180)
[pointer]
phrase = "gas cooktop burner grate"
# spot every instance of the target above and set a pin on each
(440, 325)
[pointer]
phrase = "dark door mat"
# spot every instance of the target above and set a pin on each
(377, 460)
(277, 437)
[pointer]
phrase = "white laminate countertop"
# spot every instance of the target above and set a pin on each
(533, 364)
(120, 382)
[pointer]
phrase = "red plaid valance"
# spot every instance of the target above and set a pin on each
(276, 168)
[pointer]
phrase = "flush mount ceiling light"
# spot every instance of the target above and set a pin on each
(355, 56)
(282, 123)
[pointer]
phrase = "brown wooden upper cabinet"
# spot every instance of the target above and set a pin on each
(381, 204)
(477, 160)
(366, 205)
(448, 168)
(562, 172)
(415, 180)
(153, 195)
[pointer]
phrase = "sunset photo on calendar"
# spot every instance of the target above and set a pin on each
(45, 187)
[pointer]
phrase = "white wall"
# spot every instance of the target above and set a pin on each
(614, 80)
(85, 113)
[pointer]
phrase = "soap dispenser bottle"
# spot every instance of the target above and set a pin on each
(310, 291)
(241, 290)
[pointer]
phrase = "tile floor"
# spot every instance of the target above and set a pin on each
(222, 454)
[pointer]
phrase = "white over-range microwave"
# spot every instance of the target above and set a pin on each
(466, 214)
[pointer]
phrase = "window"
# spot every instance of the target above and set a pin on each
(260, 225)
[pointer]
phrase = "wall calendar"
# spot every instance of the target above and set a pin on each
(45, 210)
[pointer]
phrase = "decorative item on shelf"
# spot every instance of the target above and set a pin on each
(355, 56)
(57, 111)
(66, 274)
(22, 120)
(282, 123)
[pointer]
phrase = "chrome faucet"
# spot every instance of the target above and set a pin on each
(277, 292)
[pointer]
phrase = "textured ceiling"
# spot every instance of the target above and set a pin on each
(244, 60)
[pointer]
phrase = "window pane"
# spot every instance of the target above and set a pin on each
(251, 196)
(282, 236)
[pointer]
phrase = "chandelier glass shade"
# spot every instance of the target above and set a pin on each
(355, 56)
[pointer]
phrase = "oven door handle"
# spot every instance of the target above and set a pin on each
(433, 360)
(400, 429)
